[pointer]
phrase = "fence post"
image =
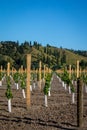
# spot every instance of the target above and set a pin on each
(70, 71)
(1, 69)
(44, 71)
(40, 75)
(77, 68)
(8, 69)
(79, 103)
(28, 81)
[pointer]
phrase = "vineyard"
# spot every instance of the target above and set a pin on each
(43, 99)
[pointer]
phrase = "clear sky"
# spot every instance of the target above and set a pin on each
(60, 23)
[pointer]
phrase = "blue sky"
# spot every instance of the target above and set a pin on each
(60, 23)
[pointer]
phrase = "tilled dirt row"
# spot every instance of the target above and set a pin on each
(60, 114)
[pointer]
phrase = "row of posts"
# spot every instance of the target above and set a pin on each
(79, 88)
(79, 95)
(28, 71)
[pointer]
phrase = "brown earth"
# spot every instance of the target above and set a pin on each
(60, 114)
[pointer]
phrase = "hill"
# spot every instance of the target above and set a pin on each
(53, 57)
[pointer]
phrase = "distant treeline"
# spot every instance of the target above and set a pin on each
(80, 52)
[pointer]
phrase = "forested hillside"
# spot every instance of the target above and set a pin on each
(53, 57)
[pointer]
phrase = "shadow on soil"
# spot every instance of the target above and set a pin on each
(49, 123)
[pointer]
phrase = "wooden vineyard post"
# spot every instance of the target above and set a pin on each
(1, 69)
(12, 70)
(77, 69)
(79, 103)
(8, 69)
(44, 71)
(49, 70)
(21, 69)
(28, 81)
(40, 75)
(1, 76)
(70, 71)
(44, 74)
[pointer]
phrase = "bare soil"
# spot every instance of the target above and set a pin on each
(60, 114)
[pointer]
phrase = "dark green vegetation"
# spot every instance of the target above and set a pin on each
(53, 57)
(8, 92)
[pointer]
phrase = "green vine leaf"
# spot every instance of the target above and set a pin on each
(9, 93)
